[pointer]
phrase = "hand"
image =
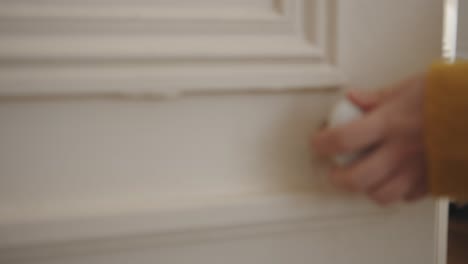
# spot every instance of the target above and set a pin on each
(394, 169)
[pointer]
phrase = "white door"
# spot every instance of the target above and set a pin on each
(176, 131)
(460, 9)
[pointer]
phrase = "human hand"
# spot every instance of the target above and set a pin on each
(394, 168)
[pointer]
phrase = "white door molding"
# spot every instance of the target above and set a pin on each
(177, 46)
(57, 235)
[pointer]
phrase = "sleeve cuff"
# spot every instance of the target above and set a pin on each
(446, 129)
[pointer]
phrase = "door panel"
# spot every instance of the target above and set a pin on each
(168, 48)
(173, 132)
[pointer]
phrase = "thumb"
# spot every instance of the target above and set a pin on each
(367, 100)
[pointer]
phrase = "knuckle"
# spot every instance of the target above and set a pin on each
(400, 152)
(338, 179)
(365, 175)
(342, 179)
(395, 154)
(335, 179)
(393, 192)
(352, 181)
(340, 143)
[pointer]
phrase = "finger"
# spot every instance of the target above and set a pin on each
(419, 190)
(368, 100)
(371, 170)
(397, 187)
(353, 136)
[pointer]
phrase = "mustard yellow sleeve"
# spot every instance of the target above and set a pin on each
(446, 129)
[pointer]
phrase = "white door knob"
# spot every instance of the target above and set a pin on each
(344, 112)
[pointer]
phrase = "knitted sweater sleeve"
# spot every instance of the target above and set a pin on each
(446, 129)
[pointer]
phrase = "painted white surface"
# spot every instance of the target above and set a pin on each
(311, 241)
(98, 168)
(450, 29)
(462, 36)
(159, 48)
